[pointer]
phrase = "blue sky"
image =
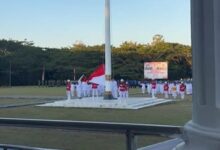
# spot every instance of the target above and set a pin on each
(60, 23)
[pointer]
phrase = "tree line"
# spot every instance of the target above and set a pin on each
(22, 63)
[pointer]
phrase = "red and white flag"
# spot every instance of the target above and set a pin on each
(98, 76)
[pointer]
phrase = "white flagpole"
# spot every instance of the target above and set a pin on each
(108, 65)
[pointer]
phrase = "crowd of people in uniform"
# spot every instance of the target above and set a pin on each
(120, 89)
(82, 89)
(168, 89)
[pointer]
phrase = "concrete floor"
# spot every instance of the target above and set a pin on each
(89, 102)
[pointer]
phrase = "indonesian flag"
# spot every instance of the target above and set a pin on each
(98, 76)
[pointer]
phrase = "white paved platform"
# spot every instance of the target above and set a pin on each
(89, 102)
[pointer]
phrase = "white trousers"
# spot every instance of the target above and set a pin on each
(182, 95)
(68, 95)
(95, 93)
(115, 93)
(122, 94)
(143, 90)
(174, 94)
(153, 91)
(126, 94)
(72, 93)
(79, 93)
(166, 94)
(84, 93)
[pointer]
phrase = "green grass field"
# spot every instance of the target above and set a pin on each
(33, 91)
(176, 113)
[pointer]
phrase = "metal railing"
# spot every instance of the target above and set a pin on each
(128, 129)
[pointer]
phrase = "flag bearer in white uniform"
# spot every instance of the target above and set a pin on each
(166, 90)
(143, 87)
(153, 88)
(73, 89)
(68, 89)
(114, 89)
(79, 89)
(174, 91)
(94, 90)
(122, 89)
(182, 90)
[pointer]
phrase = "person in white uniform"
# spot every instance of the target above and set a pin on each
(143, 88)
(73, 90)
(79, 90)
(114, 87)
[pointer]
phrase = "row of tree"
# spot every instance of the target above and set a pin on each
(22, 63)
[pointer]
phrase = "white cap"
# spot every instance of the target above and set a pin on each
(68, 80)
(122, 80)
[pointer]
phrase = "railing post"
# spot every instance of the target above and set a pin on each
(130, 140)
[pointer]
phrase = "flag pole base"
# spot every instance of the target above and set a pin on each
(108, 96)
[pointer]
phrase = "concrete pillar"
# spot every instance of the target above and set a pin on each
(108, 63)
(203, 132)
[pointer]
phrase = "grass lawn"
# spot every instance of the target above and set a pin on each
(69, 140)
(33, 91)
(172, 114)
(176, 113)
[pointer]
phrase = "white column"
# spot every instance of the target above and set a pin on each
(203, 132)
(108, 63)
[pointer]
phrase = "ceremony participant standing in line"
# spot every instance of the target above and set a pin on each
(84, 87)
(149, 88)
(126, 89)
(143, 87)
(73, 90)
(95, 90)
(166, 89)
(89, 90)
(158, 91)
(161, 88)
(100, 90)
(170, 87)
(79, 89)
(114, 89)
(174, 91)
(153, 88)
(68, 89)
(182, 90)
(122, 89)
(188, 87)
(178, 87)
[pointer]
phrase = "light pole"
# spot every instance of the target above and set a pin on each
(108, 65)
(43, 69)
